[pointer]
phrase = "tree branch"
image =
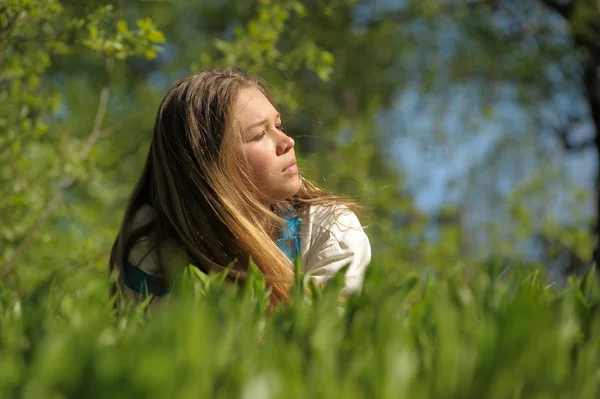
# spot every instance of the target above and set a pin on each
(66, 185)
(126, 154)
(97, 128)
(575, 147)
(565, 10)
(563, 135)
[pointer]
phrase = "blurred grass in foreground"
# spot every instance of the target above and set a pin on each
(500, 334)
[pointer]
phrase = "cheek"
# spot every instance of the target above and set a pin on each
(260, 162)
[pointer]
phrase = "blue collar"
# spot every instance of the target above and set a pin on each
(141, 282)
(289, 243)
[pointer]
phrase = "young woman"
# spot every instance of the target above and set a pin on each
(221, 184)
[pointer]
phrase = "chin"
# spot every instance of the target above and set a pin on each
(287, 190)
(297, 186)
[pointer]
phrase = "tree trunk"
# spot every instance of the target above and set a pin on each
(587, 40)
(591, 83)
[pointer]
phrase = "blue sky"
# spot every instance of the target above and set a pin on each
(439, 140)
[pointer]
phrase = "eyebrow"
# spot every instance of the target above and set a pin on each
(260, 123)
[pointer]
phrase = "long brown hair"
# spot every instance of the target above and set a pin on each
(197, 183)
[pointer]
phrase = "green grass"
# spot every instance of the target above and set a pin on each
(497, 335)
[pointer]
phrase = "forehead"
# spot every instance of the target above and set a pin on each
(252, 106)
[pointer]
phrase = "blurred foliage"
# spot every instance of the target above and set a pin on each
(517, 66)
(501, 333)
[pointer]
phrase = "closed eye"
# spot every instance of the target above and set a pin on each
(259, 136)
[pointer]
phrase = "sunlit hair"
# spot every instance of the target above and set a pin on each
(197, 182)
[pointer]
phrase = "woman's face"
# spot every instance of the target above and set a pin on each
(268, 149)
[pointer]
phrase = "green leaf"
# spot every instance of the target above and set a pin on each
(122, 26)
(156, 36)
(145, 24)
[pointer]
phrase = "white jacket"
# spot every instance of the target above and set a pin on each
(330, 238)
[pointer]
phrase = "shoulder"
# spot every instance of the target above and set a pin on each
(332, 238)
(144, 254)
(337, 220)
(143, 216)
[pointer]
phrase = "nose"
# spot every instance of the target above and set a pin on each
(284, 144)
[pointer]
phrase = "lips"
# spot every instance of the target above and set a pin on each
(291, 166)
